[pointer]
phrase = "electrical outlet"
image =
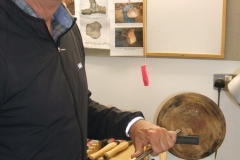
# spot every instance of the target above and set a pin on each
(226, 77)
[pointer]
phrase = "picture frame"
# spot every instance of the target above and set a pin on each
(184, 28)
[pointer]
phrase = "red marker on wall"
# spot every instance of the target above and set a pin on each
(144, 75)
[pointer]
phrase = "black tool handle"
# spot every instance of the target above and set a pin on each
(193, 140)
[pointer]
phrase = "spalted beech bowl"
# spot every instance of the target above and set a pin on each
(194, 114)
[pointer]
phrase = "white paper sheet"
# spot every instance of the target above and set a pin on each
(94, 26)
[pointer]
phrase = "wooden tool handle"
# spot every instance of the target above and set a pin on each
(102, 151)
(122, 146)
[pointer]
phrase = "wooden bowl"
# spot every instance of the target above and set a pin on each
(194, 114)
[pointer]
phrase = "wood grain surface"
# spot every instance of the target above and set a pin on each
(194, 114)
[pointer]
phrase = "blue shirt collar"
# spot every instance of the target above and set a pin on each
(62, 18)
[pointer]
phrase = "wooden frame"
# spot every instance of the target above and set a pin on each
(162, 40)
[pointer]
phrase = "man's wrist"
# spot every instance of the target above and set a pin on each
(131, 123)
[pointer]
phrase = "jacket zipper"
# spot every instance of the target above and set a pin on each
(75, 107)
(64, 73)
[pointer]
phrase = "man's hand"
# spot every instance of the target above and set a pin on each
(143, 133)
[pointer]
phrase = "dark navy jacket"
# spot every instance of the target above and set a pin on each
(45, 108)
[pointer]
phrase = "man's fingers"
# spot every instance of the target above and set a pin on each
(166, 140)
(144, 133)
(138, 151)
(136, 154)
(173, 135)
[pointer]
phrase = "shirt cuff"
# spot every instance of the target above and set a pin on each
(131, 123)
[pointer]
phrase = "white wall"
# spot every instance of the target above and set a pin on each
(118, 81)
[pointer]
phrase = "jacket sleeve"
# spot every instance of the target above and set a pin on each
(105, 122)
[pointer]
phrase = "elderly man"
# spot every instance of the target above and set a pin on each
(46, 112)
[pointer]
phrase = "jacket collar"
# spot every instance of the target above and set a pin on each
(62, 19)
